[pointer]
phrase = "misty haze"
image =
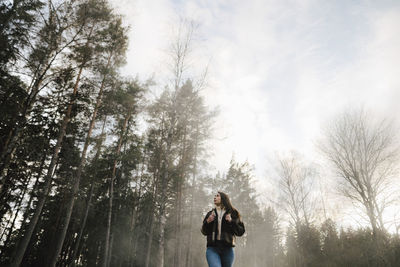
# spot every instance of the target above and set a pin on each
(170, 133)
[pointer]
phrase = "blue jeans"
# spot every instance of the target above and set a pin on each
(220, 256)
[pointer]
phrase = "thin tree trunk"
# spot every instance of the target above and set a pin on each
(163, 218)
(180, 214)
(189, 246)
(76, 181)
(31, 196)
(163, 199)
(82, 227)
(19, 205)
(178, 226)
(111, 191)
(110, 250)
(21, 248)
(132, 227)
(161, 238)
(78, 246)
(150, 240)
(151, 229)
(138, 194)
(83, 224)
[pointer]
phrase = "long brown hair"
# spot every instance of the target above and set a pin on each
(226, 202)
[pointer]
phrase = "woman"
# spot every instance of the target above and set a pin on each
(221, 226)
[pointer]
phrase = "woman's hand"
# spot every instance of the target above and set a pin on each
(228, 217)
(211, 217)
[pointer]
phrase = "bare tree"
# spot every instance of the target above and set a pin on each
(296, 178)
(295, 182)
(364, 153)
(180, 50)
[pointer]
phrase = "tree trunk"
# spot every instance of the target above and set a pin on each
(178, 221)
(150, 240)
(31, 196)
(164, 184)
(110, 250)
(163, 219)
(86, 214)
(151, 227)
(19, 205)
(111, 192)
(180, 213)
(21, 248)
(190, 239)
(133, 225)
(161, 238)
(82, 227)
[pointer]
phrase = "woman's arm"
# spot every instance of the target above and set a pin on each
(206, 228)
(236, 226)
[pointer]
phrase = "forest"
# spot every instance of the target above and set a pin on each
(96, 170)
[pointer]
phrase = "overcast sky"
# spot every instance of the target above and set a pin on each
(278, 70)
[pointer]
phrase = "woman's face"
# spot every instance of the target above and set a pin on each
(217, 199)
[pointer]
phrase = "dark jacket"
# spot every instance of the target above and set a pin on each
(229, 230)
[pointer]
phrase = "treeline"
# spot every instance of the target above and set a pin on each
(94, 172)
